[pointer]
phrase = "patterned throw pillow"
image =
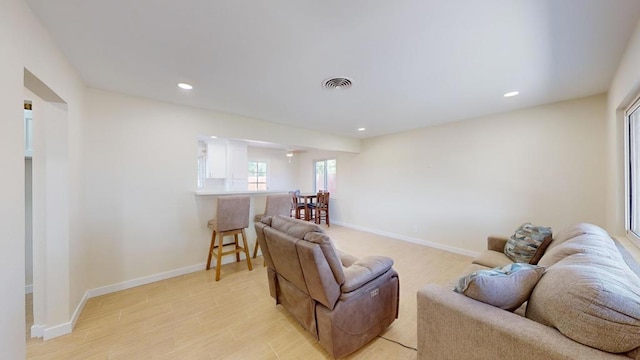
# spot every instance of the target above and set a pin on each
(528, 243)
(507, 287)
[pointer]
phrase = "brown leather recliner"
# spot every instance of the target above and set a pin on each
(343, 301)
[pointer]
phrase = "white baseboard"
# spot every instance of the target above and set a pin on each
(143, 280)
(28, 289)
(410, 239)
(50, 332)
(37, 331)
(78, 310)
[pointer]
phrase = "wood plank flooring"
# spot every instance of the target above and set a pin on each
(194, 317)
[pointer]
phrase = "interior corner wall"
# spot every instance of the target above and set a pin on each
(625, 88)
(344, 176)
(12, 328)
(456, 183)
(26, 45)
(143, 215)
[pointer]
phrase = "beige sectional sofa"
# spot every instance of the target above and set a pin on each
(585, 306)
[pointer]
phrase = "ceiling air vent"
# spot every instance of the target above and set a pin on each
(337, 83)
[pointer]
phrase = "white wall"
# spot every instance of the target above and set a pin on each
(281, 173)
(344, 162)
(625, 87)
(135, 159)
(11, 187)
(143, 216)
(456, 183)
(25, 44)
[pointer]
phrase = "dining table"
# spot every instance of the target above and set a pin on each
(307, 199)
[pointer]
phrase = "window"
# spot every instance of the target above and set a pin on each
(633, 190)
(257, 175)
(325, 175)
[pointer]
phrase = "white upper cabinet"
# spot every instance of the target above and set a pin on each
(227, 160)
(238, 167)
(216, 160)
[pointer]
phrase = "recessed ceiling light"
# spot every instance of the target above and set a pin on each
(185, 86)
(511, 93)
(361, 129)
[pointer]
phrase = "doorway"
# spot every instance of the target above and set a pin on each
(28, 215)
(49, 209)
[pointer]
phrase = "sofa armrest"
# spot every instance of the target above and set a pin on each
(363, 271)
(453, 326)
(496, 242)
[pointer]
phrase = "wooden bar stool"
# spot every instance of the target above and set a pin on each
(277, 204)
(232, 217)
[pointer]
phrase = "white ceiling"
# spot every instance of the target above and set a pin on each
(414, 63)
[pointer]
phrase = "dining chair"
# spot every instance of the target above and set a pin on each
(320, 208)
(232, 217)
(276, 204)
(296, 206)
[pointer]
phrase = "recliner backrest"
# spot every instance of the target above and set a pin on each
(304, 255)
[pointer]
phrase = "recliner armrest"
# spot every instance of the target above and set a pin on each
(363, 271)
(496, 242)
(346, 259)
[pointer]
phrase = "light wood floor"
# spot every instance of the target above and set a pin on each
(195, 317)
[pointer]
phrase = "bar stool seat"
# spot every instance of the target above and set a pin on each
(232, 217)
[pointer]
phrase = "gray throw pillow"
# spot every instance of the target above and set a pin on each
(528, 243)
(505, 287)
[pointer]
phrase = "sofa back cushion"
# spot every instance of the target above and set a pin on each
(589, 294)
(572, 231)
(596, 245)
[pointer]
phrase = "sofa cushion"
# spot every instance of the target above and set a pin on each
(492, 259)
(596, 245)
(525, 242)
(507, 287)
(575, 230)
(591, 297)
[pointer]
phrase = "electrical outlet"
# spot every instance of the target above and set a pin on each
(375, 292)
